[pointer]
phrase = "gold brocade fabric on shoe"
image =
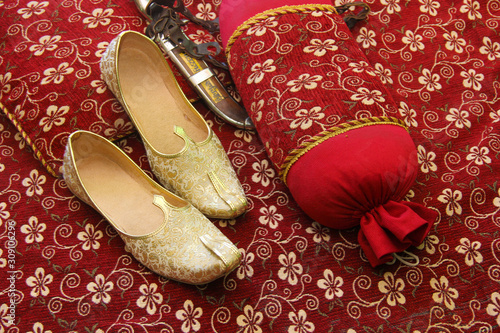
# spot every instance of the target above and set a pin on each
(186, 247)
(200, 172)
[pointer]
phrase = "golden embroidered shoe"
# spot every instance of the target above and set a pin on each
(184, 153)
(161, 230)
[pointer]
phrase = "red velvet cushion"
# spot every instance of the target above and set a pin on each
(360, 177)
(329, 124)
(348, 175)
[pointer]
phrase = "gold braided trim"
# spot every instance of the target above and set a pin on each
(28, 140)
(309, 144)
(275, 12)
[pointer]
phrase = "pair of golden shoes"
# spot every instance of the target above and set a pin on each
(165, 228)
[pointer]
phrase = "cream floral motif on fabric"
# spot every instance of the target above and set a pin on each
(192, 173)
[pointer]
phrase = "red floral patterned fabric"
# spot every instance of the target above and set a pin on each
(50, 82)
(438, 59)
(301, 74)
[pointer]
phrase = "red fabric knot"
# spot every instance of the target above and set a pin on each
(364, 183)
(392, 228)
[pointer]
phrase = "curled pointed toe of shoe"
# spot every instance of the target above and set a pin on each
(202, 174)
(184, 153)
(186, 251)
(161, 230)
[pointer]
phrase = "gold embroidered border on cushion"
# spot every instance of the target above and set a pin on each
(314, 141)
(274, 12)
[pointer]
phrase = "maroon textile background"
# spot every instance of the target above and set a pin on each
(439, 60)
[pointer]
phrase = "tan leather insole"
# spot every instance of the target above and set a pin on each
(126, 200)
(155, 102)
